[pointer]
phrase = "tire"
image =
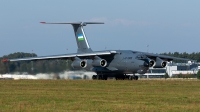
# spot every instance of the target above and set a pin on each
(94, 77)
(98, 77)
(136, 77)
(130, 77)
(105, 77)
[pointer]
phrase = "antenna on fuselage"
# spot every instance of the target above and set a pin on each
(147, 47)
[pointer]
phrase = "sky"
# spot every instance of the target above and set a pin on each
(155, 26)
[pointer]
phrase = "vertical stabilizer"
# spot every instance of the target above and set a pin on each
(81, 40)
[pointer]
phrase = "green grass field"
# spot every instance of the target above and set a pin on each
(94, 95)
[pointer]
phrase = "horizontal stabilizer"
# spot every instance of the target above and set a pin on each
(5, 60)
(73, 23)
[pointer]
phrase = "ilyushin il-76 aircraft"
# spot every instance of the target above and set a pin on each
(108, 63)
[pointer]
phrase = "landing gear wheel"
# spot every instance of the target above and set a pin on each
(94, 77)
(98, 77)
(105, 77)
(130, 77)
(136, 77)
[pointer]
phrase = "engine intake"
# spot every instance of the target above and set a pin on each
(148, 62)
(151, 63)
(99, 62)
(78, 63)
(160, 63)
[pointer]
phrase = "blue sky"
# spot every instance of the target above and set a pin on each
(163, 26)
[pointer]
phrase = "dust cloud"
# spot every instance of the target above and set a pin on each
(64, 75)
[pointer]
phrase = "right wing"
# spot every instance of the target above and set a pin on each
(164, 57)
(64, 56)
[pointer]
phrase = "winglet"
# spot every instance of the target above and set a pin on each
(5, 60)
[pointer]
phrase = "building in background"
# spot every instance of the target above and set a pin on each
(173, 69)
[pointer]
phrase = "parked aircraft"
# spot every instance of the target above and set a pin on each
(115, 63)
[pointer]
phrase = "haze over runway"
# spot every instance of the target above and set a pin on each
(153, 26)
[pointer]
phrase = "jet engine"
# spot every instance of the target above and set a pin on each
(147, 62)
(99, 62)
(78, 63)
(160, 63)
(151, 63)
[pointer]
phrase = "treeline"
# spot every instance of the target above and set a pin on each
(56, 66)
(193, 56)
(33, 67)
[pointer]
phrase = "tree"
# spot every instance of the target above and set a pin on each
(198, 74)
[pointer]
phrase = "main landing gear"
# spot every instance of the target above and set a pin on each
(126, 77)
(99, 77)
(117, 77)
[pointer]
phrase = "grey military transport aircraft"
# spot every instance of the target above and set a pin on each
(108, 63)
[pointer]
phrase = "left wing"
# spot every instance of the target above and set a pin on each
(64, 56)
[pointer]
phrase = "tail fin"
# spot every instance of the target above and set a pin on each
(82, 43)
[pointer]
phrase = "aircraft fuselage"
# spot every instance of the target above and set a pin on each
(123, 62)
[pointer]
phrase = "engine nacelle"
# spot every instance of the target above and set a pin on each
(99, 62)
(78, 63)
(152, 63)
(160, 63)
(149, 63)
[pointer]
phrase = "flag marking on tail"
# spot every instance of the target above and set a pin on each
(80, 37)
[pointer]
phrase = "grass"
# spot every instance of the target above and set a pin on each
(94, 95)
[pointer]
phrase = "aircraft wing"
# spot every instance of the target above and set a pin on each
(64, 56)
(163, 57)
